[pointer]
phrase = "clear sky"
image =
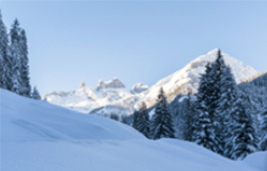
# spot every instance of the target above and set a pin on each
(134, 41)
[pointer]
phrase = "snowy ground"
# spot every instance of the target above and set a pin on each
(37, 136)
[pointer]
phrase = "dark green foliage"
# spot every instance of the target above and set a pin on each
(263, 129)
(15, 53)
(25, 80)
(208, 120)
(229, 95)
(14, 68)
(114, 116)
(124, 119)
(35, 94)
(141, 120)
(14, 32)
(203, 127)
(161, 124)
(5, 60)
(188, 118)
(244, 139)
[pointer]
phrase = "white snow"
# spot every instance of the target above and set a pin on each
(139, 88)
(113, 93)
(38, 136)
(187, 78)
(86, 99)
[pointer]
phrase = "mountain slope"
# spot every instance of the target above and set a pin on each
(36, 135)
(113, 97)
(187, 79)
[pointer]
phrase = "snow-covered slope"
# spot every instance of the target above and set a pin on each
(37, 136)
(139, 88)
(187, 79)
(106, 98)
(113, 97)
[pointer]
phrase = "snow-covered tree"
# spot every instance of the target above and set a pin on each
(5, 59)
(228, 97)
(161, 124)
(35, 94)
(263, 141)
(188, 118)
(141, 120)
(25, 80)
(114, 116)
(214, 83)
(209, 106)
(244, 135)
(203, 128)
(15, 53)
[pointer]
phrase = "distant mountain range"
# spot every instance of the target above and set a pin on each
(112, 96)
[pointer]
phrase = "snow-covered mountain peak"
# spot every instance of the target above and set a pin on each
(239, 69)
(82, 85)
(213, 51)
(187, 78)
(114, 83)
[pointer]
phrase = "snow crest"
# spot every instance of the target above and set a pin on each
(36, 135)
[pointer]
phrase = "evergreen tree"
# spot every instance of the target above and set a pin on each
(208, 123)
(203, 128)
(252, 109)
(5, 60)
(16, 57)
(228, 97)
(215, 82)
(188, 118)
(35, 94)
(25, 80)
(161, 123)
(141, 120)
(263, 142)
(244, 136)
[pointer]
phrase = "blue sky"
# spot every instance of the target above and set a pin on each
(134, 41)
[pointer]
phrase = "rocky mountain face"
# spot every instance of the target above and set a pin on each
(113, 98)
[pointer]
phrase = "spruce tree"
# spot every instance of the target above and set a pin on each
(215, 83)
(141, 120)
(263, 141)
(25, 80)
(244, 136)
(35, 94)
(228, 97)
(5, 59)
(188, 118)
(15, 57)
(203, 128)
(161, 124)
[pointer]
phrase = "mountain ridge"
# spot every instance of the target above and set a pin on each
(113, 97)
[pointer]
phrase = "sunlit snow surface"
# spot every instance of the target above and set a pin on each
(113, 97)
(37, 136)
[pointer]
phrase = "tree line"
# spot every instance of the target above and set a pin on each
(14, 62)
(221, 117)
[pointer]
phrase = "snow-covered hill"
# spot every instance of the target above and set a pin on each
(113, 97)
(36, 135)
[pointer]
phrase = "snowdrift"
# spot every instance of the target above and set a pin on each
(38, 136)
